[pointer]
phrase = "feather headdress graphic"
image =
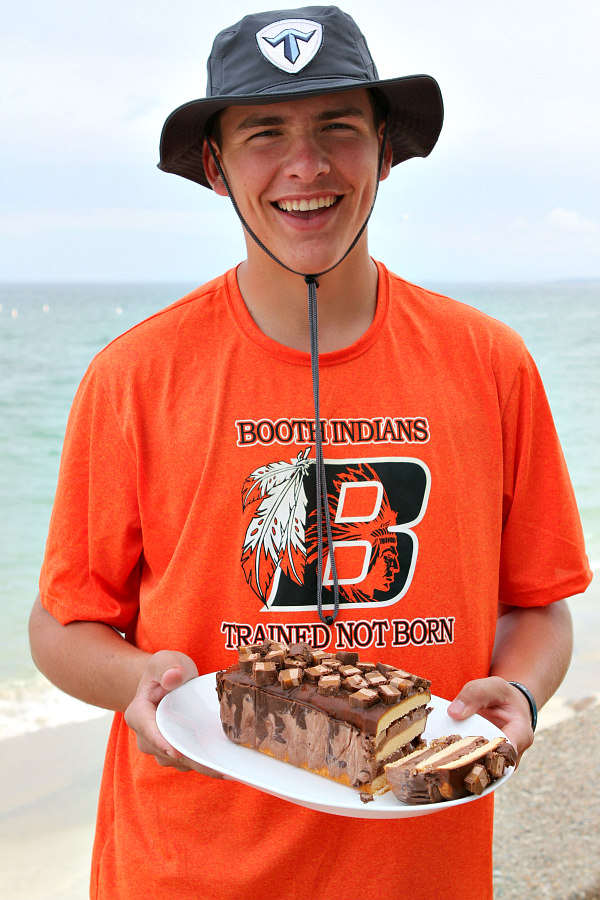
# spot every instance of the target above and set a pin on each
(275, 540)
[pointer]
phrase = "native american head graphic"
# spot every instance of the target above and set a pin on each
(279, 540)
(365, 544)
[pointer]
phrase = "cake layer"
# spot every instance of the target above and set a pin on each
(332, 715)
(401, 732)
(456, 750)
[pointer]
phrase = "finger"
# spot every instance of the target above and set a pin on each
(479, 695)
(151, 742)
(178, 763)
(140, 716)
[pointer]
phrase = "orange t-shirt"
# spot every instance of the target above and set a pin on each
(184, 517)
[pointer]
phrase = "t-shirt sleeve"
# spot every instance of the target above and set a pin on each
(93, 552)
(543, 555)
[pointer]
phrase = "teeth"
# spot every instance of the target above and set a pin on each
(305, 205)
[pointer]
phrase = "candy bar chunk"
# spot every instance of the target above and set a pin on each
(331, 662)
(347, 671)
(403, 685)
(304, 651)
(508, 752)
(366, 666)
(247, 662)
(264, 672)
(354, 683)
(295, 662)
(347, 657)
(417, 680)
(389, 694)
(364, 698)
(289, 678)
(495, 764)
(250, 648)
(375, 678)
(313, 673)
(477, 780)
(319, 656)
(385, 668)
(279, 645)
(276, 656)
(329, 684)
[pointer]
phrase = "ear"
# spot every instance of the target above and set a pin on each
(387, 154)
(212, 173)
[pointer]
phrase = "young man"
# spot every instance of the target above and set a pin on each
(412, 428)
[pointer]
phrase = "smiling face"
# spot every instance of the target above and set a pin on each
(303, 173)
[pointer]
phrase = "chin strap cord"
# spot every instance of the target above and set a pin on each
(322, 500)
(321, 478)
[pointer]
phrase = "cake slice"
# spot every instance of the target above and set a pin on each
(333, 715)
(449, 768)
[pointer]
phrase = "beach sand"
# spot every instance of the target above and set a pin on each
(49, 788)
(547, 815)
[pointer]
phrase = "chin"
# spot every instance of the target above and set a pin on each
(312, 263)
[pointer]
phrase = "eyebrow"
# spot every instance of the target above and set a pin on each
(342, 112)
(327, 115)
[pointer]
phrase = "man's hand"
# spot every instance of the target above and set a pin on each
(533, 645)
(500, 702)
(166, 670)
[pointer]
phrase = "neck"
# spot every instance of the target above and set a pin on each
(277, 300)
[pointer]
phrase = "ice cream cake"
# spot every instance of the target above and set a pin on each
(331, 714)
(449, 768)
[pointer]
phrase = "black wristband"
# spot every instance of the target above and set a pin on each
(532, 704)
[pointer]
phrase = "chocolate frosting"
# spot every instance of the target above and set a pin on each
(336, 706)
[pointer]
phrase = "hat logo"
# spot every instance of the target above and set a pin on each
(290, 44)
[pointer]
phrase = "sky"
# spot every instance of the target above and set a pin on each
(510, 193)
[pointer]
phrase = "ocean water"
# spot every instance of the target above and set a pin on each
(48, 334)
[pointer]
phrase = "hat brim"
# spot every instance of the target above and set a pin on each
(416, 115)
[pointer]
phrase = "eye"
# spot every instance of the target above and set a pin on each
(270, 132)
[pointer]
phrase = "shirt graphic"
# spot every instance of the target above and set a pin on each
(373, 505)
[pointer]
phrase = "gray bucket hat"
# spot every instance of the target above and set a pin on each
(290, 54)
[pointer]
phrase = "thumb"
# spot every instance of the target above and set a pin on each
(174, 677)
(176, 669)
(473, 697)
(458, 709)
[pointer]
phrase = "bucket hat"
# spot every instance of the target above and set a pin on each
(288, 55)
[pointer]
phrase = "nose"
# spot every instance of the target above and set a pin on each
(306, 159)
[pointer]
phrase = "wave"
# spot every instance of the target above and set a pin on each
(30, 705)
